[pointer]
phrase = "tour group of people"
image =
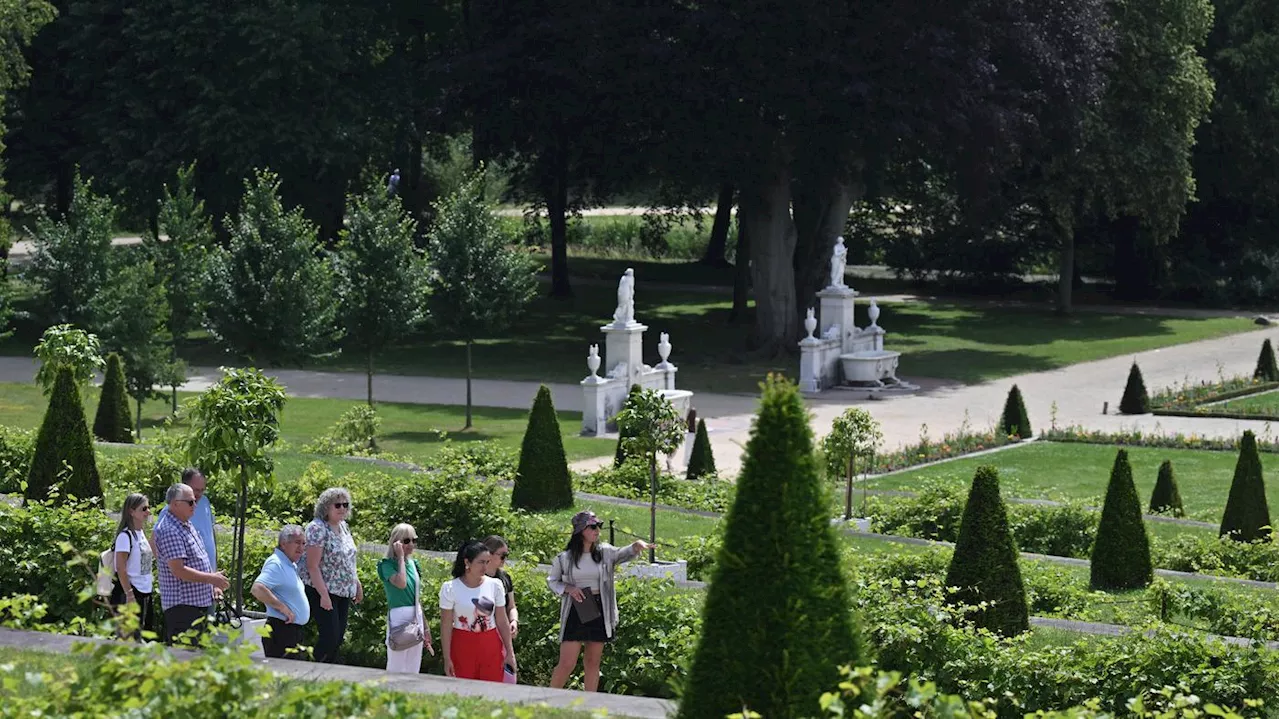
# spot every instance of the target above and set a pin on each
(311, 577)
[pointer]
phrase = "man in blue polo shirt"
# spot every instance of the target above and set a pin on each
(280, 589)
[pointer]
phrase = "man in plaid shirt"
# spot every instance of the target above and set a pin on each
(186, 582)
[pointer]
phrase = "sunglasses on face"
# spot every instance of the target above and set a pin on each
(341, 505)
(409, 540)
(597, 525)
(144, 509)
(502, 555)
(190, 502)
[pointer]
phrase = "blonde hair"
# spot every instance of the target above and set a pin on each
(398, 532)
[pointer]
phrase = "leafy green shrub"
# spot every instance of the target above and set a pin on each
(147, 470)
(16, 448)
(542, 478)
(113, 423)
(771, 644)
(64, 452)
(354, 434)
(1266, 367)
(72, 258)
(631, 481)
(702, 462)
(984, 565)
(1247, 516)
(1135, 399)
(51, 551)
(620, 454)
(446, 509)
(1066, 530)
(1218, 555)
(1138, 438)
(1014, 420)
(1121, 554)
(1165, 497)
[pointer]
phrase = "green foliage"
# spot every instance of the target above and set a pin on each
(1266, 367)
(620, 453)
(16, 448)
(1247, 516)
(150, 471)
(1014, 420)
(271, 290)
(72, 259)
(65, 346)
(135, 323)
(542, 479)
(650, 423)
(64, 465)
(1222, 556)
(1165, 497)
(381, 276)
(1138, 438)
(631, 481)
(702, 462)
(182, 259)
(51, 552)
(1205, 398)
(22, 19)
(855, 435)
(984, 566)
(112, 423)
(1135, 399)
(354, 434)
(1121, 556)
(777, 611)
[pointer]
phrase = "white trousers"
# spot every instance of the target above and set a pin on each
(405, 661)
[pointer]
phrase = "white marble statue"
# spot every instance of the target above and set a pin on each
(626, 312)
(838, 255)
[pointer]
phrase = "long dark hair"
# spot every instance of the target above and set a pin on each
(575, 549)
(468, 552)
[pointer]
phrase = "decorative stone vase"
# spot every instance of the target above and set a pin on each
(873, 312)
(810, 323)
(593, 360)
(664, 346)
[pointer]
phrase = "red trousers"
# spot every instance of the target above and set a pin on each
(476, 655)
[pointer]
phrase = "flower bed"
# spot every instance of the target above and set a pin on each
(1138, 438)
(1190, 400)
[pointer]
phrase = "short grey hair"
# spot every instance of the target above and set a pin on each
(176, 492)
(288, 532)
(327, 499)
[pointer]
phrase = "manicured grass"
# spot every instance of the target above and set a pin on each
(1265, 403)
(416, 431)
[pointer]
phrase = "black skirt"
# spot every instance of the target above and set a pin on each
(592, 631)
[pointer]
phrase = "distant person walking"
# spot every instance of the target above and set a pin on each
(329, 571)
(187, 579)
(281, 590)
(135, 557)
(475, 633)
(405, 621)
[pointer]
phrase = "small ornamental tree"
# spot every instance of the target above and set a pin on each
(652, 426)
(1165, 498)
(64, 449)
(1135, 399)
(135, 309)
(1266, 367)
(479, 285)
(72, 258)
(984, 566)
(620, 452)
(855, 436)
(1248, 515)
(233, 424)
(1014, 420)
(382, 277)
(1121, 551)
(702, 462)
(543, 481)
(65, 346)
(776, 623)
(112, 422)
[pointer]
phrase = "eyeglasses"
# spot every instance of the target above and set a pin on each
(597, 525)
(144, 509)
(502, 555)
(341, 505)
(190, 502)
(409, 540)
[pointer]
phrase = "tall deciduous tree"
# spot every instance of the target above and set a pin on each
(72, 259)
(21, 20)
(855, 435)
(479, 285)
(382, 277)
(135, 312)
(271, 290)
(651, 426)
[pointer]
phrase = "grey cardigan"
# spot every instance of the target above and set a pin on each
(560, 578)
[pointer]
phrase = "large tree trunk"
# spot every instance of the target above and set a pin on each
(764, 211)
(1066, 262)
(822, 205)
(557, 200)
(741, 276)
(714, 255)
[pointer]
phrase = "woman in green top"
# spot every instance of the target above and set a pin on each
(399, 576)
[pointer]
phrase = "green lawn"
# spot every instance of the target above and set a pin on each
(1264, 403)
(1049, 470)
(411, 430)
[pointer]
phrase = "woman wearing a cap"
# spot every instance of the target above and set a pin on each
(583, 577)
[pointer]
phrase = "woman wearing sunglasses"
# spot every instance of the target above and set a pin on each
(583, 577)
(407, 630)
(328, 570)
(134, 552)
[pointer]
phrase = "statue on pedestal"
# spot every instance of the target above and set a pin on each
(625, 314)
(838, 255)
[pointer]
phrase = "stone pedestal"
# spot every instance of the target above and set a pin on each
(623, 344)
(835, 307)
(595, 411)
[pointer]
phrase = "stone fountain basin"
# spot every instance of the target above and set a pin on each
(681, 399)
(869, 365)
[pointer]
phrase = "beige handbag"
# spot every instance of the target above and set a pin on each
(409, 634)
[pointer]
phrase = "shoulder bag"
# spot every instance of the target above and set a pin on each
(408, 634)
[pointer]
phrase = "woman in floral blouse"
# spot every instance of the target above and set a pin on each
(329, 571)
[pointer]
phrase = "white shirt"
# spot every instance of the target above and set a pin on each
(586, 575)
(473, 607)
(138, 565)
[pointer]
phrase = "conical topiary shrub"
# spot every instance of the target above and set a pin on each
(1165, 498)
(542, 479)
(1135, 400)
(1248, 515)
(619, 456)
(701, 461)
(776, 624)
(1121, 552)
(112, 422)
(1014, 419)
(1266, 367)
(64, 440)
(984, 566)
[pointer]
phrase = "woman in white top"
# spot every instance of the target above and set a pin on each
(134, 553)
(475, 634)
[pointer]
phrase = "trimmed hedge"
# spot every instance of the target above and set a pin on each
(1135, 400)
(984, 565)
(702, 462)
(112, 422)
(1122, 552)
(1247, 515)
(1165, 497)
(542, 478)
(1014, 420)
(64, 440)
(776, 622)
(1266, 367)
